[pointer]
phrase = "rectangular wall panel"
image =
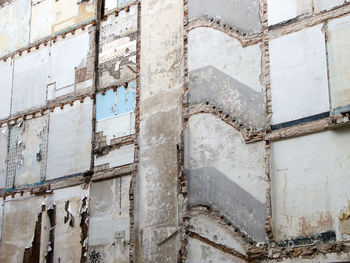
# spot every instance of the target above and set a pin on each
(69, 146)
(299, 83)
(338, 60)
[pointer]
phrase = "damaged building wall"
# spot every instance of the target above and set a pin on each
(174, 131)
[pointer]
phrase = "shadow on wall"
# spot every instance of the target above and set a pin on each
(210, 187)
(232, 96)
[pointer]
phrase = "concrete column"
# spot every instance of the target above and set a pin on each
(162, 75)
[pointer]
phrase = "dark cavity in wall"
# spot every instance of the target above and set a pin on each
(51, 212)
(325, 237)
(84, 229)
(32, 254)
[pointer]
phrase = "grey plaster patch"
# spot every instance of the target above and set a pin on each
(241, 14)
(210, 187)
(233, 97)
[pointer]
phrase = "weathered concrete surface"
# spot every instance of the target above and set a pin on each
(242, 103)
(242, 14)
(109, 225)
(281, 11)
(199, 252)
(69, 147)
(6, 69)
(117, 56)
(50, 16)
(32, 148)
(30, 77)
(299, 74)
(3, 155)
(14, 26)
(160, 128)
(226, 173)
(309, 186)
(240, 63)
(20, 216)
(338, 59)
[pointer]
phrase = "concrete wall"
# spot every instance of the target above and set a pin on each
(310, 189)
(160, 126)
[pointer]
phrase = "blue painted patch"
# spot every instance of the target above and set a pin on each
(116, 103)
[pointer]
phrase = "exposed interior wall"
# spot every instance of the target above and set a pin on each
(174, 131)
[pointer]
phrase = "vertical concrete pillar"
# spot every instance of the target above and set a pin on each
(161, 90)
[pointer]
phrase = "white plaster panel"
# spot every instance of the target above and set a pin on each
(299, 84)
(3, 155)
(199, 252)
(6, 70)
(31, 71)
(19, 219)
(329, 257)
(323, 5)
(14, 26)
(280, 11)
(118, 126)
(68, 55)
(69, 146)
(339, 57)
(212, 142)
(243, 64)
(122, 156)
(310, 186)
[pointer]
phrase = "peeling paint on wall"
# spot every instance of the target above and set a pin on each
(117, 57)
(50, 16)
(31, 150)
(14, 26)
